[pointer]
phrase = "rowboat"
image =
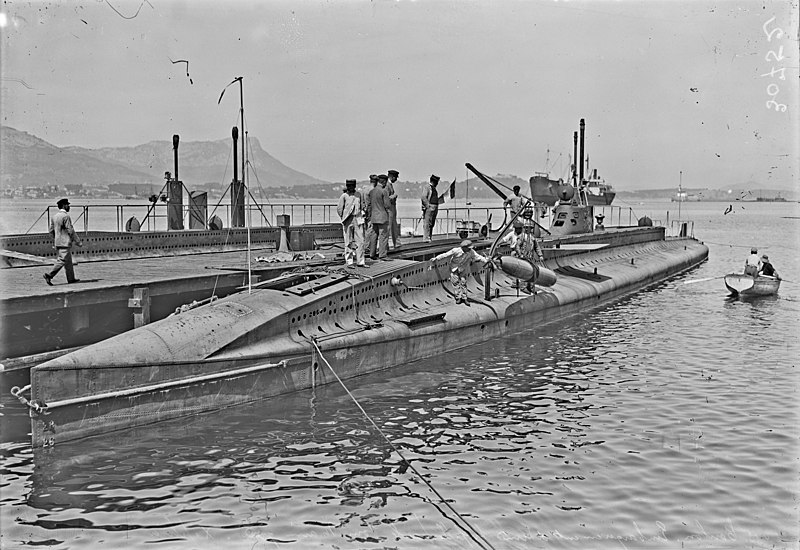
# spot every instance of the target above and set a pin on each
(740, 284)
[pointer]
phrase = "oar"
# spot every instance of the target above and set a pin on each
(703, 280)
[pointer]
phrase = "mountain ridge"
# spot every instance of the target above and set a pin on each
(29, 161)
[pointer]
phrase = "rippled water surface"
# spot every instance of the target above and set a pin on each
(666, 419)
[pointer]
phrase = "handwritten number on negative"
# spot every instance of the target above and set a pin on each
(773, 31)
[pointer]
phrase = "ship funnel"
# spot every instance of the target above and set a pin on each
(237, 187)
(574, 157)
(235, 135)
(175, 193)
(580, 174)
(175, 140)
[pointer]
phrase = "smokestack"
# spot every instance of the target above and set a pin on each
(235, 134)
(237, 187)
(580, 174)
(175, 193)
(574, 157)
(175, 139)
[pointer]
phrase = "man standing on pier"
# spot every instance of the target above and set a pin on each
(351, 212)
(394, 227)
(64, 235)
(430, 207)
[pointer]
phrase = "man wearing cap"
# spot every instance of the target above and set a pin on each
(351, 212)
(379, 216)
(514, 202)
(461, 258)
(430, 207)
(523, 244)
(767, 269)
(752, 263)
(64, 236)
(394, 227)
(373, 182)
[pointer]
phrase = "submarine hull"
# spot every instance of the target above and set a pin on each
(248, 347)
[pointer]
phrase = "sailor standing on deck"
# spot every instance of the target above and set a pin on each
(514, 202)
(351, 212)
(379, 216)
(64, 236)
(523, 244)
(430, 207)
(461, 258)
(373, 182)
(752, 263)
(394, 227)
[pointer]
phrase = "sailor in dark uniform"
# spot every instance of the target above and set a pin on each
(394, 227)
(430, 207)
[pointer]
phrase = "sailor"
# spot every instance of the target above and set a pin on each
(523, 244)
(351, 212)
(461, 258)
(379, 217)
(430, 207)
(373, 182)
(64, 236)
(513, 239)
(394, 227)
(752, 263)
(514, 202)
(767, 269)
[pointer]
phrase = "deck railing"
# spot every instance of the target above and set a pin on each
(450, 220)
(114, 217)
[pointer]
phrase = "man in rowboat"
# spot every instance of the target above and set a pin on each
(767, 269)
(752, 263)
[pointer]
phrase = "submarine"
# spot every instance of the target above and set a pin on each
(324, 325)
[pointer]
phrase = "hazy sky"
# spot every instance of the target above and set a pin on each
(342, 89)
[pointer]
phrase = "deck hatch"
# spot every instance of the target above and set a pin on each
(570, 271)
(423, 319)
(232, 308)
(316, 284)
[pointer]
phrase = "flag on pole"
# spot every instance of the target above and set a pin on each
(449, 192)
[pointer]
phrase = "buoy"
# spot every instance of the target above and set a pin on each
(524, 270)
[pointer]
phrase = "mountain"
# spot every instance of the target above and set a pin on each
(27, 161)
(30, 161)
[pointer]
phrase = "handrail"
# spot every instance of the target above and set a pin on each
(113, 216)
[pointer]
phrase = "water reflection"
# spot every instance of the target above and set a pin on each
(640, 411)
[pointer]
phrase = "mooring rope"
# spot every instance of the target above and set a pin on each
(472, 532)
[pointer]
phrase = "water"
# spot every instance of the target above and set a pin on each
(666, 419)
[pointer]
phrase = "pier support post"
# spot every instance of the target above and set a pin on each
(140, 303)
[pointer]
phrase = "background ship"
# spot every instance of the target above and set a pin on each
(598, 192)
(595, 190)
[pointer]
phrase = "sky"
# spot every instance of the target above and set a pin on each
(682, 91)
